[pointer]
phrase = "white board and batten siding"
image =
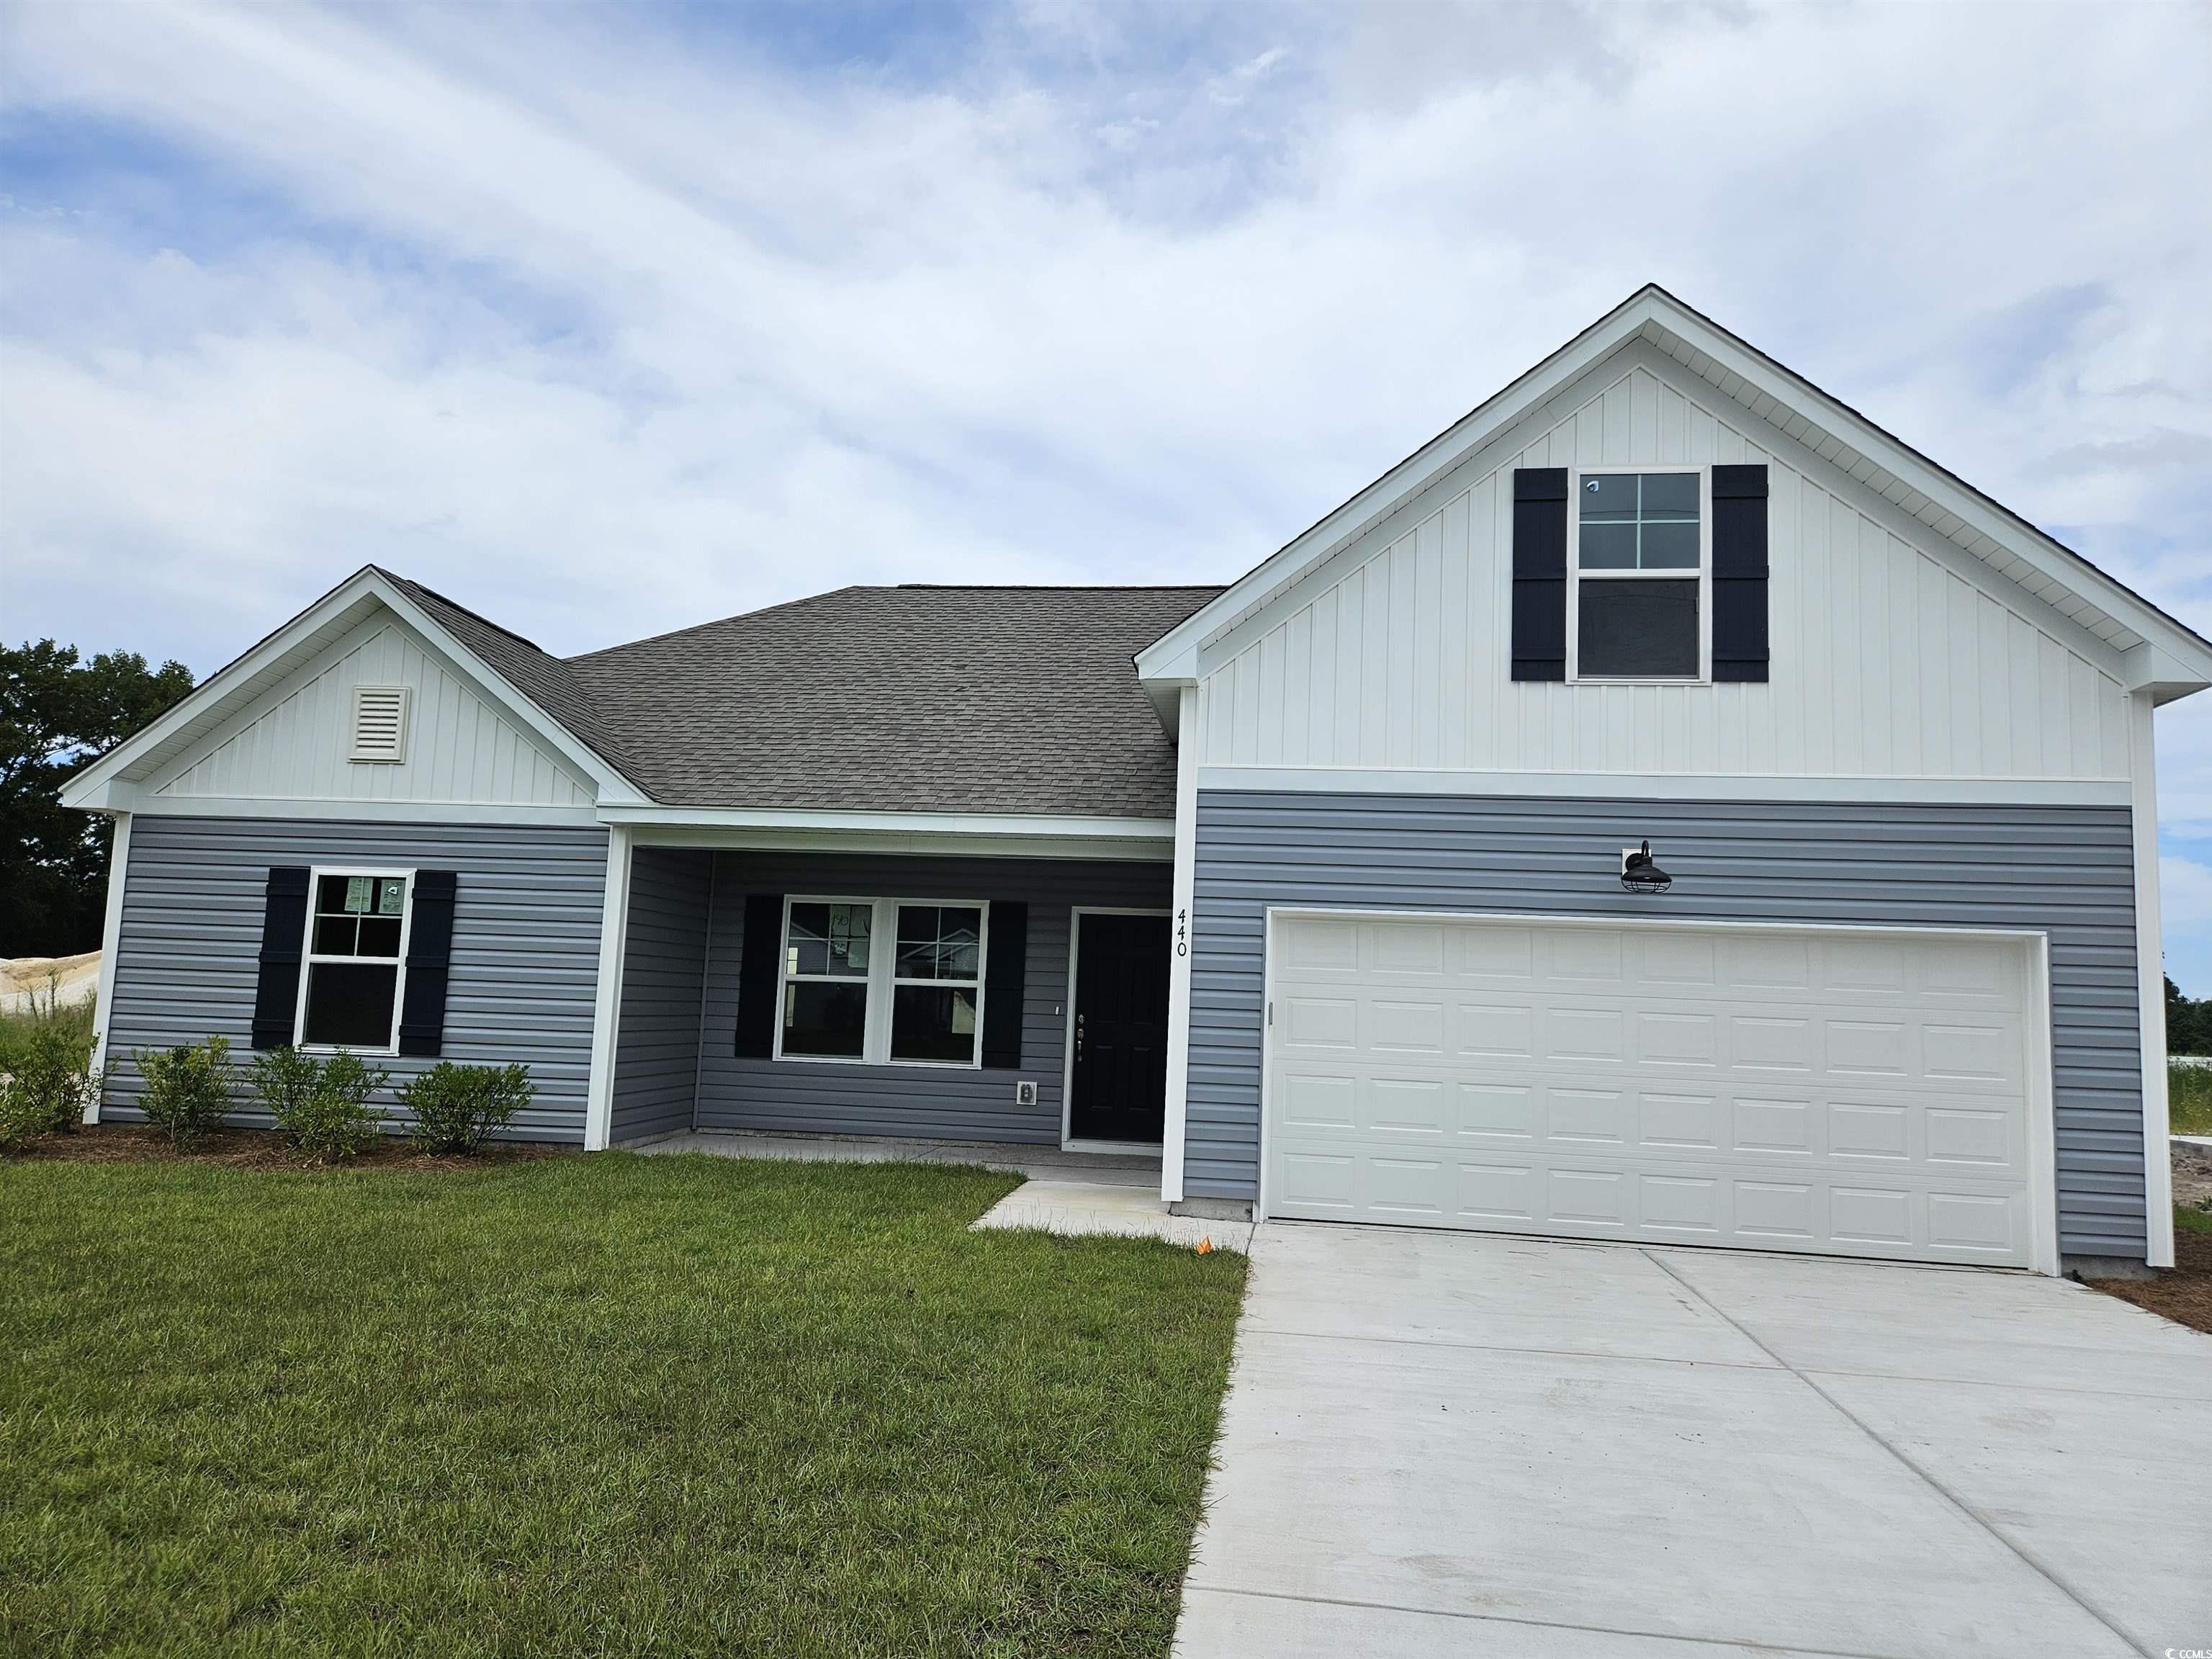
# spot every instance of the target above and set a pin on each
(298, 743)
(1894, 655)
(1863, 1092)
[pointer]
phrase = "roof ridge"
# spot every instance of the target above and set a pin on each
(473, 616)
(712, 622)
(590, 656)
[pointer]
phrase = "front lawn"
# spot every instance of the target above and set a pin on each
(605, 1406)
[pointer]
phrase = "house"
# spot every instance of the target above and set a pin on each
(1315, 882)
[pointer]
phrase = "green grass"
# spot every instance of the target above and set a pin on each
(2195, 1221)
(2188, 1099)
(602, 1406)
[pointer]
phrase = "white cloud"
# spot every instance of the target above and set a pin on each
(607, 332)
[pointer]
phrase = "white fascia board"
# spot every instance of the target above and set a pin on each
(122, 797)
(291, 645)
(2165, 677)
(1021, 835)
(225, 690)
(1175, 653)
(1654, 313)
(2048, 557)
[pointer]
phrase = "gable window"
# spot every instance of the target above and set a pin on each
(919, 1003)
(1640, 555)
(355, 960)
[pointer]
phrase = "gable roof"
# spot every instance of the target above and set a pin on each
(517, 675)
(2163, 653)
(969, 700)
(901, 699)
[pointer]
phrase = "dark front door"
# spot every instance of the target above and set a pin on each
(1120, 1087)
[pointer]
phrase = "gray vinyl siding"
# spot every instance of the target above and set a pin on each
(524, 956)
(927, 1102)
(2066, 871)
(664, 970)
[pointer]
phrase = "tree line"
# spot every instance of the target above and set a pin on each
(58, 713)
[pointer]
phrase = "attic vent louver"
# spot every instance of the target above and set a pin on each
(379, 722)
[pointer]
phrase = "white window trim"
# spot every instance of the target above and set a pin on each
(309, 958)
(882, 980)
(1703, 576)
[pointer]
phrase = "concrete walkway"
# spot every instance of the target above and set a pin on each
(1438, 1443)
(1038, 1163)
(1083, 1209)
(1075, 1194)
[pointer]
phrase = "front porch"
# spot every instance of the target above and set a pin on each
(963, 1006)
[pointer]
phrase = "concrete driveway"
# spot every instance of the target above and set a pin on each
(1441, 1444)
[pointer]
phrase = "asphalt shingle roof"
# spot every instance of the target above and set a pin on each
(873, 699)
(546, 680)
(903, 699)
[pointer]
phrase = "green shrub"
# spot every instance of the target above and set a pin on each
(322, 1106)
(456, 1106)
(187, 1087)
(46, 1077)
(283, 1078)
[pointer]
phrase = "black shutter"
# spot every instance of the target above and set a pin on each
(1006, 977)
(429, 956)
(1740, 651)
(283, 937)
(757, 976)
(1540, 573)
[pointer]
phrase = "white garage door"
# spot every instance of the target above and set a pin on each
(1850, 1093)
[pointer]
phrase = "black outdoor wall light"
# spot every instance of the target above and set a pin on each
(1639, 874)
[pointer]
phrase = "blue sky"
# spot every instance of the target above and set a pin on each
(606, 319)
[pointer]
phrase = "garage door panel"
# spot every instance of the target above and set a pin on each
(1494, 1031)
(1685, 1122)
(1840, 1095)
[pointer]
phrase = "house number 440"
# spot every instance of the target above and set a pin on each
(1183, 932)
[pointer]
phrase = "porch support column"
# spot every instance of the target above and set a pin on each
(111, 935)
(1186, 866)
(2150, 987)
(606, 1012)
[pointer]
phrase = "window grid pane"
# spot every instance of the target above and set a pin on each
(934, 1022)
(1639, 522)
(359, 916)
(940, 943)
(828, 941)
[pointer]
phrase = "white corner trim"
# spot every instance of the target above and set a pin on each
(606, 1008)
(110, 936)
(2150, 987)
(1180, 942)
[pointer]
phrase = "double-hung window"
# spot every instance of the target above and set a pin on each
(919, 1002)
(1638, 569)
(355, 959)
